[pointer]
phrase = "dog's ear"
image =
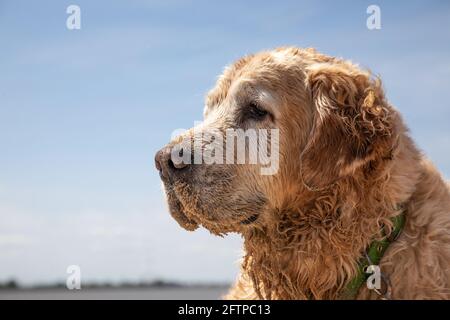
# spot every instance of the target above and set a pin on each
(353, 123)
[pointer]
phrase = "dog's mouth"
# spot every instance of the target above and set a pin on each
(177, 211)
(188, 221)
(191, 206)
(250, 219)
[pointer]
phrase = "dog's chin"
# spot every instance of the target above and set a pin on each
(177, 211)
(190, 215)
(191, 219)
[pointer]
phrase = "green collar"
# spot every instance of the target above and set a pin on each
(373, 257)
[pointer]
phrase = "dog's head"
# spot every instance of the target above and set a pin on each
(277, 125)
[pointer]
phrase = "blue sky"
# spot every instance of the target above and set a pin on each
(82, 113)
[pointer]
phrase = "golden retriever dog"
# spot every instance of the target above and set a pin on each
(347, 167)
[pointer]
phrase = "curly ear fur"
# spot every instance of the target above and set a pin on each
(353, 123)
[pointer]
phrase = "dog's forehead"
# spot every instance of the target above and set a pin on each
(261, 68)
(230, 74)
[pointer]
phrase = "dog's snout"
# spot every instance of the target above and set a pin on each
(164, 163)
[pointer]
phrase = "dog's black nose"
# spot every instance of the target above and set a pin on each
(164, 163)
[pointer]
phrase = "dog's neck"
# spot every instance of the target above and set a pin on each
(311, 252)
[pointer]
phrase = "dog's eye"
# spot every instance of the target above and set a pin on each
(255, 112)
